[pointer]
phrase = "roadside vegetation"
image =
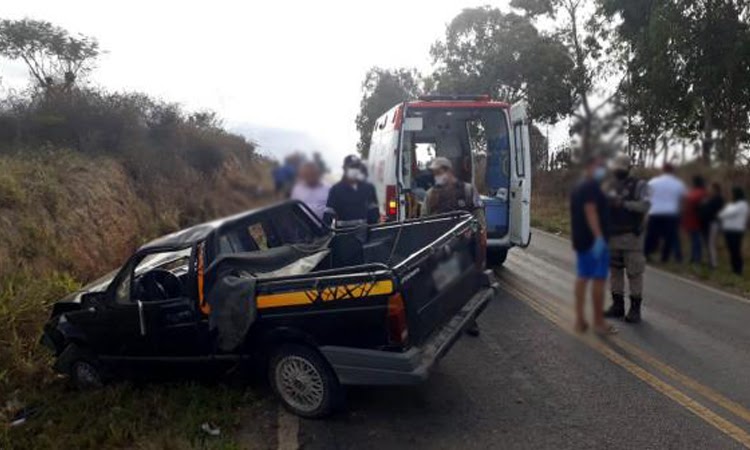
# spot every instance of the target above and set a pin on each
(86, 176)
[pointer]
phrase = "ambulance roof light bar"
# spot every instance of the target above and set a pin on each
(464, 98)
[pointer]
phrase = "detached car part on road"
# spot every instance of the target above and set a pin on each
(322, 308)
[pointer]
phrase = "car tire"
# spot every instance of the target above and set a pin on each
(86, 373)
(496, 256)
(304, 381)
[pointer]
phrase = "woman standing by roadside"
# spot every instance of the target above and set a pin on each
(734, 222)
(710, 226)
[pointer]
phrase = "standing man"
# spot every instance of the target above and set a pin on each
(310, 189)
(628, 205)
(352, 201)
(451, 194)
(667, 192)
(590, 230)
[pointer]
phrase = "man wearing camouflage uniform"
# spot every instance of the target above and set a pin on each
(451, 194)
(629, 202)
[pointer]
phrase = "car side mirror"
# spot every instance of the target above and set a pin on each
(90, 299)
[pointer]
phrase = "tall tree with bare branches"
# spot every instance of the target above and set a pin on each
(53, 56)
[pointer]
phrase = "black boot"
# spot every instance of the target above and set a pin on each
(634, 315)
(617, 310)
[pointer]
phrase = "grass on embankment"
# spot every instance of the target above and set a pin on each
(552, 214)
(67, 218)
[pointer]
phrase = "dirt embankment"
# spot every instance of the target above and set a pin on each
(67, 212)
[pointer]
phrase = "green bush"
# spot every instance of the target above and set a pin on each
(149, 134)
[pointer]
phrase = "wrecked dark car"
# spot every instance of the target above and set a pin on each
(276, 288)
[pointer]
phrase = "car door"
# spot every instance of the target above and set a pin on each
(115, 327)
(176, 328)
(175, 325)
(143, 329)
(520, 176)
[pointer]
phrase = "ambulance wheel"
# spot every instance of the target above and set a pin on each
(496, 256)
(304, 381)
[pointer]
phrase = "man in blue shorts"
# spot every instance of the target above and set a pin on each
(589, 227)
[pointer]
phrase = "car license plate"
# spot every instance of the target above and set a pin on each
(446, 272)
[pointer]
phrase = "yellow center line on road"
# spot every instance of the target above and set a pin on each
(679, 397)
(730, 405)
(667, 370)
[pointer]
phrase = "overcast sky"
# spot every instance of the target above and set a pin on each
(294, 65)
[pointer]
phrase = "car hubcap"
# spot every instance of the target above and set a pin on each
(299, 383)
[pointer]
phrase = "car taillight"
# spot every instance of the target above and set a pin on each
(391, 202)
(202, 303)
(398, 331)
(398, 118)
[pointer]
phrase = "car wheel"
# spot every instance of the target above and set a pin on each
(496, 256)
(86, 374)
(304, 381)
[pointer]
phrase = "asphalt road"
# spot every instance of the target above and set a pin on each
(681, 379)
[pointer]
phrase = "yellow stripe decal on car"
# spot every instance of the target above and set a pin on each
(344, 292)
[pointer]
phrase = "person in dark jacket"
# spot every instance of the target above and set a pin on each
(352, 201)
(709, 219)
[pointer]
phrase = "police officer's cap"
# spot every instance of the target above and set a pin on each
(352, 161)
(441, 163)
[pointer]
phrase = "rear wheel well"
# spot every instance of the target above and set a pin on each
(271, 340)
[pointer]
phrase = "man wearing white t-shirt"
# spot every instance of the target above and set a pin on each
(667, 193)
(310, 189)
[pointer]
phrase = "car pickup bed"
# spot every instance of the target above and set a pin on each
(319, 308)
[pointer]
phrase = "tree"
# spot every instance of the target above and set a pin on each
(584, 37)
(52, 55)
(539, 148)
(689, 64)
(486, 51)
(381, 90)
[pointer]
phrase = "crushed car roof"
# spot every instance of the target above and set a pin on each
(190, 236)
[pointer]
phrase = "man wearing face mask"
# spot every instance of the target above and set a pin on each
(451, 194)
(628, 205)
(589, 223)
(352, 201)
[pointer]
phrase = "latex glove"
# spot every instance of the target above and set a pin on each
(600, 245)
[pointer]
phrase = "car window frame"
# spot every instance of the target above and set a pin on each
(127, 272)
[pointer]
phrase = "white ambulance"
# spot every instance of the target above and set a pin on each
(487, 142)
